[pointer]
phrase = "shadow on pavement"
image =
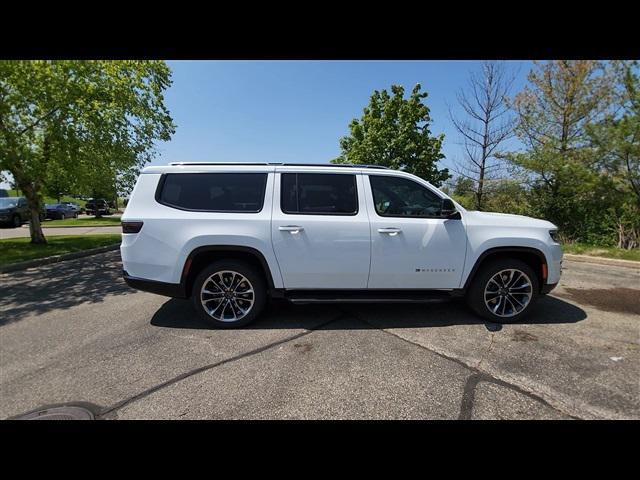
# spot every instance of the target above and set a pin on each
(549, 310)
(61, 286)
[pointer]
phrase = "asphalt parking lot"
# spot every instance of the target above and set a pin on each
(74, 332)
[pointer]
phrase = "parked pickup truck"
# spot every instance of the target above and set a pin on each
(231, 236)
(14, 211)
(97, 206)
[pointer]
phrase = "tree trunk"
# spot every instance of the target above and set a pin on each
(483, 162)
(35, 227)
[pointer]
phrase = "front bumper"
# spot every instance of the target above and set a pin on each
(175, 290)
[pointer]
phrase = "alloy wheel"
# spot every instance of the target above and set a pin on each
(508, 293)
(227, 296)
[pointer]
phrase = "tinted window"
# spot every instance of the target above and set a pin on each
(217, 192)
(8, 202)
(400, 197)
(319, 193)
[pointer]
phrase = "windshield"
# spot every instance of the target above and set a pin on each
(53, 205)
(8, 202)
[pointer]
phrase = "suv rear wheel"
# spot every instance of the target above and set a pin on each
(503, 291)
(229, 294)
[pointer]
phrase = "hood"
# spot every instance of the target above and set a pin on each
(506, 219)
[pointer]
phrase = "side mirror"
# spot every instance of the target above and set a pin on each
(448, 209)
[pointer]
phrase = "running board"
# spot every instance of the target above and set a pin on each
(368, 296)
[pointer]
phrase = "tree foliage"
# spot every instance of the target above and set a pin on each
(90, 119)
(395, 132)
(578, 121)
(616, 144)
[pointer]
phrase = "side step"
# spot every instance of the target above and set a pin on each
(368, 296)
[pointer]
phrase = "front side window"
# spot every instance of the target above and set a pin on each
(318, 194)
(214, 192)
(401, 197)
(7, 202)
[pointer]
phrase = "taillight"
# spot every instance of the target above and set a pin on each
(131, 227)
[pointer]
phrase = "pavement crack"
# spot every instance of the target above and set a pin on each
(486, 352)
(195, 371)
(478, 375)
(468, 397)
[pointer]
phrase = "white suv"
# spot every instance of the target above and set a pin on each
(231, 236)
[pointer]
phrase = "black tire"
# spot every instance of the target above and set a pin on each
(75, 215)
(16, 222)
(256, 281)
(476, 294)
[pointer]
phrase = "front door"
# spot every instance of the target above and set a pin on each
(320, 230)
(411, 248)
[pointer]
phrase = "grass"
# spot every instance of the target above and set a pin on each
(15, 250)
(82, 222)
(608, 252)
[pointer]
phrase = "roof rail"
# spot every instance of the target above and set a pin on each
(219, 163)
(284, 164)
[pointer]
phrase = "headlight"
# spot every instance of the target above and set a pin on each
(554, 235)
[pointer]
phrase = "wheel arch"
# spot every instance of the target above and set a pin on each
(202, 256)
(529, 255)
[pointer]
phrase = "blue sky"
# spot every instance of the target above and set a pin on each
(296, 111)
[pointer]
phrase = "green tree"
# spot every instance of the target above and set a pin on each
(616, 142)
(553, 110)
(394, 132)
(461, 190)
(58, 183)
(78, 117)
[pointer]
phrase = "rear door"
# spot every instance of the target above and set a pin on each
(320, 229)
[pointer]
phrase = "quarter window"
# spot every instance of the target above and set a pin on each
(400, 197)
(318, 194)
(214, 192)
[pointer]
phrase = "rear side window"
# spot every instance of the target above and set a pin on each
(318, 194)
(213, 192)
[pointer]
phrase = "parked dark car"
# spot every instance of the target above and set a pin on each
(13, 211)
(100, 205)
(3, 193)
(75, 207)
(60, 211)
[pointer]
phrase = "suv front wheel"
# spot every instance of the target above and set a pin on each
(503, 291)
(229, 294)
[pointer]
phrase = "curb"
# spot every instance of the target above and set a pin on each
(38, 262)
(602, 261)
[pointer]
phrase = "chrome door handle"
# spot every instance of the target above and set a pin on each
(390, 230)
(291, 228)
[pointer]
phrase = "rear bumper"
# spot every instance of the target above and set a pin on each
(175, 290)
